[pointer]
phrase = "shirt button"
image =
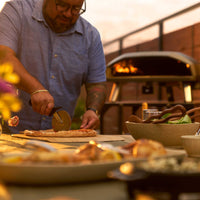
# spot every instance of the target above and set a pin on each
(55, 55)
(52, 76)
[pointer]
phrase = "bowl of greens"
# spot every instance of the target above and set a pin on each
(168, 133)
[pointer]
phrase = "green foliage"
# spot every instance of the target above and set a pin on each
(79, 111)
(183, 120)
(80, 108)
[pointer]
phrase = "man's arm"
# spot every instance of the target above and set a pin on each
(42, 102)
(96, 95)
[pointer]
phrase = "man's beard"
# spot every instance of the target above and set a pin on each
(59, 27)
(56, 23)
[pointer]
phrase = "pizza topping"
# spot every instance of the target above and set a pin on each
(13, 121)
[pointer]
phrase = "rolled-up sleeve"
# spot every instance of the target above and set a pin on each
(96, 59)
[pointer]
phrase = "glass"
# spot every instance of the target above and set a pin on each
(75, 10)
(150, 112)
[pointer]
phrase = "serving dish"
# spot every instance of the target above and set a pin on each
(163, 178)
(167, 134)
(40, 173)
(173, 183)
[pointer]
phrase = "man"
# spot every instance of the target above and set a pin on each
(54, 51)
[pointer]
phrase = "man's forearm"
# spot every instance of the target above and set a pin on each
(96, 95)
(27, 82)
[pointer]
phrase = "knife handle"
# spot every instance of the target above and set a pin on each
(52, 111)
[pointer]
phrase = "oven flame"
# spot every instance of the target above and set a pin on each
(124, 68)
(187, 65)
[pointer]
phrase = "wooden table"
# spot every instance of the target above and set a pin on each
(107, 190)
(88, 191)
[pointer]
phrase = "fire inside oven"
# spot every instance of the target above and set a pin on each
(151, 66)
(154, 66)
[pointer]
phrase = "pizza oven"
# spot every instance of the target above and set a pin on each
(153, 66)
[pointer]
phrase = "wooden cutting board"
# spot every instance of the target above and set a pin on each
(98, 138)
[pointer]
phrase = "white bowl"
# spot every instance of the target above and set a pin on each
(191, 144)
(167, 134)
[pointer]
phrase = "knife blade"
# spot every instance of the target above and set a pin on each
(61, 119)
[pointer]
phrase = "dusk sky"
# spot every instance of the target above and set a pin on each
(113, 18)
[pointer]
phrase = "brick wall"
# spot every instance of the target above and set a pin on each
(186, 40)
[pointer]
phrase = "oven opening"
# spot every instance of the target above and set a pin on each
(151, 66)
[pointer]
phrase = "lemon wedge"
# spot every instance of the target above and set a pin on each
(12, 159)
(110, 155)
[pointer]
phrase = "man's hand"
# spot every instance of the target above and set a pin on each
(90, 120)
(96, 94)
(42, 102)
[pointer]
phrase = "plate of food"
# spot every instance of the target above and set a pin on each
(164, 174)
(90, 162)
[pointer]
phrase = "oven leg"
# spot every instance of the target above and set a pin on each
(120, 119)
(170, 95)
(104, 109)
(160, 91)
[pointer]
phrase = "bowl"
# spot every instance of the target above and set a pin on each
(167, 134)
(191, 144)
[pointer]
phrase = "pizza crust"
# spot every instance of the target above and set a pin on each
(70, 133)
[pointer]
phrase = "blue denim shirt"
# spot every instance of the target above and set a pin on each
(62, 62)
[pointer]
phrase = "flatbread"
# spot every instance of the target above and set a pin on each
(70, 133)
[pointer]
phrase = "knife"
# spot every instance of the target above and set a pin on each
(61, 119)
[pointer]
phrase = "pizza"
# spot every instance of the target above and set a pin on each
(70, 133)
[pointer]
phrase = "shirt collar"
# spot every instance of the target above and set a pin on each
(37, 15)
(37, 11)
